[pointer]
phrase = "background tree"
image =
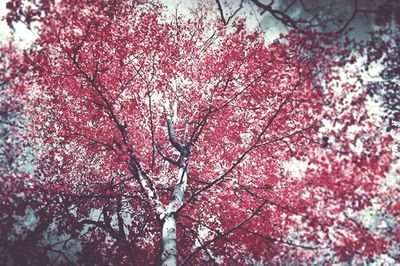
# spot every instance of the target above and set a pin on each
(352, 180)
(305, 15)
(18, 206)
(383, 47)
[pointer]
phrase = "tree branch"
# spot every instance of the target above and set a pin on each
(240, 224)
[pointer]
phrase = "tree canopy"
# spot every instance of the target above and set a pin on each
(131, 136)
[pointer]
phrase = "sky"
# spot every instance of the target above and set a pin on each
(254, 19)
(23, 36)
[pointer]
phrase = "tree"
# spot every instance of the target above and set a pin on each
(14, 176)
(351, 182)
(147, 130)
(382, 47)
(324, 17)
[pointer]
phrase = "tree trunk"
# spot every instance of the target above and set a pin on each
(168, 218)
(169, 251)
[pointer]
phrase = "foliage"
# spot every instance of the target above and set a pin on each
(138, 121)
